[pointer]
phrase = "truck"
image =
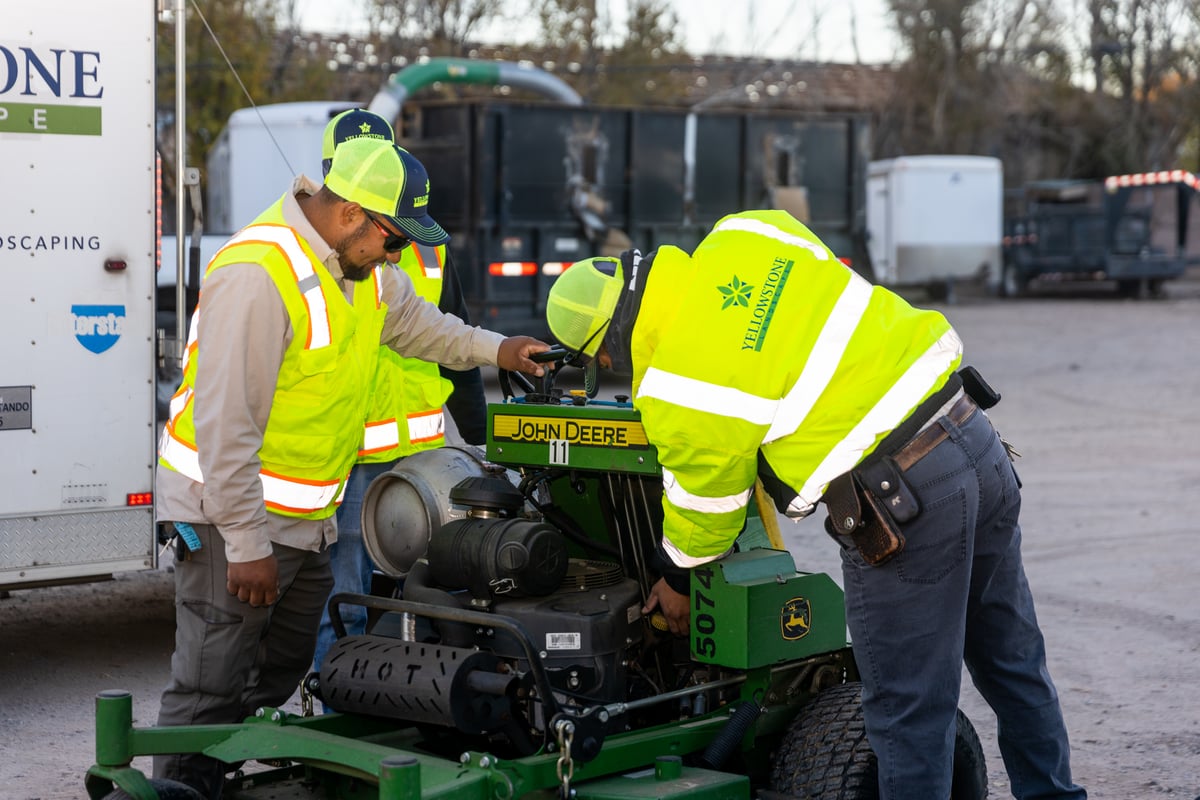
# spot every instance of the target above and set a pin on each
(1133, 230)
(935, 221)
(77, 255)
(526, 188)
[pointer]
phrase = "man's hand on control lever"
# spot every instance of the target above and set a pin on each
(515, 352)
(674, 607)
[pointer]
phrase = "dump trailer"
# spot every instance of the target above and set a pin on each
(516, 663)
(526, 189)
(77, 255)
(1131, 229)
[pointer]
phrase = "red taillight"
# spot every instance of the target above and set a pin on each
(555, 267)
(139, 499)
(846, 261)
(512, 269)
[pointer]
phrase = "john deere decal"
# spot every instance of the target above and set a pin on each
(795, 619)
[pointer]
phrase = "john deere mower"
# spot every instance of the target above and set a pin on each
(507, 656)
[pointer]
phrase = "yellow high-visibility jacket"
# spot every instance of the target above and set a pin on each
(763, 340)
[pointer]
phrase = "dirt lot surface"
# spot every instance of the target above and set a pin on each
(1100, 397)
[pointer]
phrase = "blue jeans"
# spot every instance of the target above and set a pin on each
(957, 592)
(348, 557)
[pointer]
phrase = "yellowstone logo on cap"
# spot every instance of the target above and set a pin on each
(423, 200)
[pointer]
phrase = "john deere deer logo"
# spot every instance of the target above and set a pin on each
(795, 618)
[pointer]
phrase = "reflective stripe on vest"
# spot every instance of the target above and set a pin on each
(427, 256)
(279, 493)
(707, 505)
(283, 237)
(886, 415)
(426, 426)
(380, 436)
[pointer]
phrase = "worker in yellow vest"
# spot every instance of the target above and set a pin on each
(267, 424)
(761, 356)
(408, 398)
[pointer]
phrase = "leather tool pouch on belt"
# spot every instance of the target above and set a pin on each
(866, 508)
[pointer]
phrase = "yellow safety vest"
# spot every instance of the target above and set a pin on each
(320, 401)
(408, 393)
(763, 340)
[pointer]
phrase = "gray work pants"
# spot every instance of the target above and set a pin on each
(230, 658)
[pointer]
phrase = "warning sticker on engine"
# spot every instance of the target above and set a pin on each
(564, 641)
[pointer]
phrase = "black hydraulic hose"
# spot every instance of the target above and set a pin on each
(564, 523)
(721, 748)
(559, 518)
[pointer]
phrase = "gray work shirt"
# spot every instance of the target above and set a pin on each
(243, 332)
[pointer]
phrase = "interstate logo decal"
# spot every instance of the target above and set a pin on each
(98, 327)
(795, 619)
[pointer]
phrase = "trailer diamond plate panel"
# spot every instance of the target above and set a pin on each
(64, 540)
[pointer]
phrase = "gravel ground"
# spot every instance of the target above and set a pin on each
(1099, 397)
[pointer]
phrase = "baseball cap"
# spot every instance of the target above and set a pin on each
(353, 124)
(581, 303)
(389, 181)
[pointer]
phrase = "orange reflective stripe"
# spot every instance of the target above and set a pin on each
(426, 426)
(297, 495)
(428, 258)
(280, 493)
(377, 277)
(284, 239)
(380, 436)
(182, 456)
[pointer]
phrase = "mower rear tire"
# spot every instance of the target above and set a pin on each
(165, 789)
(825, 754)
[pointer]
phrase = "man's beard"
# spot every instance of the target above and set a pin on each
(358, 274)
(350, 270)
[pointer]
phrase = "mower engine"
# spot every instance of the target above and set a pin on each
(506, 620)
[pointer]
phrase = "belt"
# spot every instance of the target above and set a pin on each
(919, 446)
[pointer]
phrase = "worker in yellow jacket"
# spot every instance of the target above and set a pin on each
(408, 398)
(761, 355)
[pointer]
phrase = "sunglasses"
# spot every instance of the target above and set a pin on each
(392, 242)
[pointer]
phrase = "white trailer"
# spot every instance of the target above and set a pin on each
(257, 154)
(77, 257)
(934, 220)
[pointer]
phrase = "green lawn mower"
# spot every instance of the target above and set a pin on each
(511, 659)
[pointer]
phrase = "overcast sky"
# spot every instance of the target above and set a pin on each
(818, 30)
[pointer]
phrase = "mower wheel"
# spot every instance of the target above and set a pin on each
(825, 754)
(165, 789)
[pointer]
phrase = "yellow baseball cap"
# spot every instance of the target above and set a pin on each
(581, 303)
(388, 180)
